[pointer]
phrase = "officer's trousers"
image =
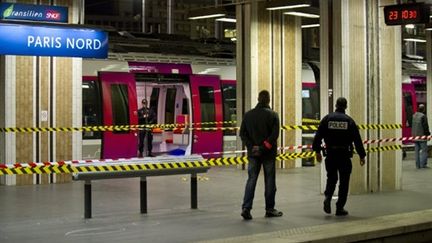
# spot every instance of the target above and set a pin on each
(334, 166)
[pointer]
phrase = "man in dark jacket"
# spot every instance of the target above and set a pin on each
(146, 116)
(420, 129)
(339, 131)
(259, 131)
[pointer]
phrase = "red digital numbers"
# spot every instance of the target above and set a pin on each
(393, 15)
(402, 14)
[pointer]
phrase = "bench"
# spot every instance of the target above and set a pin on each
(143, 174)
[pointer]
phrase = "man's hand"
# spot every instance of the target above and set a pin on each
(318, 156)
(362, 161)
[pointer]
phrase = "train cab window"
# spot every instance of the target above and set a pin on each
(154, 98)
(310, 103)
(207, 102)
(185, 107)
(91, 103)
(409, 111)
(229, 107)
(170, 105)
(120, 105)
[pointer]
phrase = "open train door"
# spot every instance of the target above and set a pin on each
(207, 108)
(119, 108)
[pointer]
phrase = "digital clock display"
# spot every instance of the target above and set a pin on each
(416, 13)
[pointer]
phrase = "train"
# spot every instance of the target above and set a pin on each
(193, 92)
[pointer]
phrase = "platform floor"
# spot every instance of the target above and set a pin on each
(54, 213)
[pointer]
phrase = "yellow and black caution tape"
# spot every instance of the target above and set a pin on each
(63, 168)
(123, 128)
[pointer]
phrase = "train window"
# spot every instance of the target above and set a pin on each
(310, 103)
(207, 102)
(229, 107)
(170, 105)
(154, 98)
(91, 103)
(185, 107)
(120, 105)
(407, 98)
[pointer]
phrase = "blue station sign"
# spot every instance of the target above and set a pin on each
(52, 41)
(46, 13)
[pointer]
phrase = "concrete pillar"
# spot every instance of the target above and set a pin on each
(269, 57)
(41, 92)
(361, 60)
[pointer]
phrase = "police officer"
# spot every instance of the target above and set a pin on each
(339, 131)
(146, 116)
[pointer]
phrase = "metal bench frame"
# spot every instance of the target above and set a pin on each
(143, 174)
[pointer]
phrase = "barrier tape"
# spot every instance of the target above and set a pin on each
(124, 128)
(64, 167)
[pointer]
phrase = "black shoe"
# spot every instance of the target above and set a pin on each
(341, 212)
(273, 213)
(246, 214)
(150, 155)
(327, 206)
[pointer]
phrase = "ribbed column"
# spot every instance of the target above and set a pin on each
(40, 92)
(361, 60)
(269, 57)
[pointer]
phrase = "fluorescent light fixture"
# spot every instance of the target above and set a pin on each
(230, 20)
(301, 14)
(415, 40)
(207, 16)
(206, 13)
(284, 4)
(288, 7)
(310, 26)
(409, 26)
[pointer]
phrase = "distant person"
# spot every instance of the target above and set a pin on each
(259, 131)
(420, 128)
(339, 131)
(146, 116)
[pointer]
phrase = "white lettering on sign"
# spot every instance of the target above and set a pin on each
(44, 41)
(339, 125)
(81, 43)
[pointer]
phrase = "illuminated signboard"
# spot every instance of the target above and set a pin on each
(46, 13)
(402, 14)
(33, 40)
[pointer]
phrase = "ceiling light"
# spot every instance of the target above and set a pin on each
(289, 7)
(310, 26)
(207, 16)
(301, 14)
(414, 40)
(409, 26)
(206, 13)
(230, 20)
(283, 4)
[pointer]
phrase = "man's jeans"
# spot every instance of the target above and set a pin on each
(421, 154)
(254, 168)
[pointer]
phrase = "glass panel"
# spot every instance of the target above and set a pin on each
(92, 109)
(407, 98)
(229, 107)
(154, 98)
(185, 107)
(120, 104)
(207, 101)
(170, 105)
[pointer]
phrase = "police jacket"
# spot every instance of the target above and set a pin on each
(339, 132)
(146, 116)
(258, 125)
(420, 126)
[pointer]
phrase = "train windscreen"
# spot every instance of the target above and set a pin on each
(207, 100)
(229, 107)
(91, 103)
(409, 111)
(120, 104)
(170, 105)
